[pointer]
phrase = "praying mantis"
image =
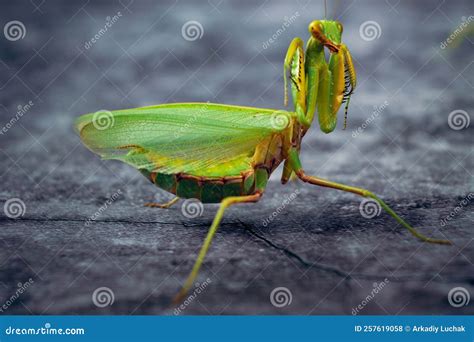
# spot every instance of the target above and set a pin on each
(225, 154)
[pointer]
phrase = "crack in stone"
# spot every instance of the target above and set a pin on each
(291, 254)
(294, 255)
(94, 221)
(356, 276)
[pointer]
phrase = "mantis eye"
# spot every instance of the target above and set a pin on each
(340, 27)
(315, 27)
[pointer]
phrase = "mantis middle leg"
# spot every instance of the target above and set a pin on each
(164, 205)
(296, 165)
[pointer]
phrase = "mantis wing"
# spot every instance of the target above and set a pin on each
(196, 138)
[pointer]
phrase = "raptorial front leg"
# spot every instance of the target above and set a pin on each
(294, 61)
(296, 164)
(329, 86)
(226, 202)
(350, 80)
(330, 92)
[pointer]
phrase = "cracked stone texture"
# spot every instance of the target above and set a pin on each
(318, 246)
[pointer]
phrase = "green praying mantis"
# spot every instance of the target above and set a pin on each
(225, 154)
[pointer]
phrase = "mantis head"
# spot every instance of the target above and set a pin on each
(327, 32)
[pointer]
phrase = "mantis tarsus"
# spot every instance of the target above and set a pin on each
(226, 154)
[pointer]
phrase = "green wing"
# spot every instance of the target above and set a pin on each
(196, 138)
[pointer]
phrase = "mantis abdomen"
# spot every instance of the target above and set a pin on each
(208, 189)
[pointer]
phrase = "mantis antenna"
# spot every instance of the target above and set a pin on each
(336, 9)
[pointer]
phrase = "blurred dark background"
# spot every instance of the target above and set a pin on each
(411, 152)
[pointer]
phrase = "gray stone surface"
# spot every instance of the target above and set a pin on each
(318, 246)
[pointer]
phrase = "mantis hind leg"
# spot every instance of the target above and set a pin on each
(226, 202)
(164, 205)
(296, 164)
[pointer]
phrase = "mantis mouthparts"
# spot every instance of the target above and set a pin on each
(332, 47)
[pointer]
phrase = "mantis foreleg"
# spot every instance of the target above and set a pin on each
(329, 84)
(295, 60)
